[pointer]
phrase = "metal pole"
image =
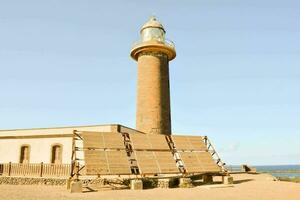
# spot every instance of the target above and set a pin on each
(41, 169)
(9, 168)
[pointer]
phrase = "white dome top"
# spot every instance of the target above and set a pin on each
(153, 23)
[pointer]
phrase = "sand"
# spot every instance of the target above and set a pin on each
(246, 187)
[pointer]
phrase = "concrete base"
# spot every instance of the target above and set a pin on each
(76, 187)
(227, 180)
(136, 184)
(163, 183)
(68, 184)
(208, 179)
(185, 183)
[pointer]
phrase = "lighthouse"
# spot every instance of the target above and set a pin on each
(153, 53)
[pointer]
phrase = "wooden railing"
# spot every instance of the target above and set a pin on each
(35, 170)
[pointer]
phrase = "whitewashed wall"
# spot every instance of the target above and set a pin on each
(40, 149)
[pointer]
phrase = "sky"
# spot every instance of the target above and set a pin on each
(236, 77)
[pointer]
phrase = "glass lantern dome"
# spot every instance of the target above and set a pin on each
(152, 39)
(153, 30)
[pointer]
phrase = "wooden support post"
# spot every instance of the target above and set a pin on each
(9, 168)
(41, 169)
(77, 171)
(205, 140)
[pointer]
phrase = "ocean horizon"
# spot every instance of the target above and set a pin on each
(288, 171)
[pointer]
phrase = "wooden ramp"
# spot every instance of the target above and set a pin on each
(153, 154)
(104, 153)
(199, 162)
(194, 154)
(99, 140)
(149, 142)
(112, 153)
(106, 162)
(190, 143)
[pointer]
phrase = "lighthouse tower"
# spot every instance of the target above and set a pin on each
(153, 53)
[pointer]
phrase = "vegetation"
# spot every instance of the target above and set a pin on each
(295, 180)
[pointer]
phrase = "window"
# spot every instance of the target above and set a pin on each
(149, 34)
(56, 154)
(24, 154)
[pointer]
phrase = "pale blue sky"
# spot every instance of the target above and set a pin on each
(236, 77)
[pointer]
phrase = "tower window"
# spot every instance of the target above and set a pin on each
(56, 154)
(24, 154)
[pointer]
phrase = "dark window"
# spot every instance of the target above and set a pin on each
(24, 154)
(56, 154)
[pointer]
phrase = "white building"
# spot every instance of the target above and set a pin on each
(47, 145)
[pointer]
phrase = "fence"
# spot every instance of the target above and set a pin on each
(35, 170)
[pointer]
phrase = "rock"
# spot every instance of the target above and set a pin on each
(185, 183)
(32, 181)
(136, 184)
(163, 183)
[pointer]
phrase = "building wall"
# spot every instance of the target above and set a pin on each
(40, 149)
(54, 131)
(40, 141)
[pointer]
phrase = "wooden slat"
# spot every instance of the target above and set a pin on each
(95, 162)
(113, 141)
(158, 141)
(199, 162)
(149, 141)
(181, 142)
(34, 170)
(140, 141)
(166, 162)
(155, 162)
(118, 162)
(106, 162)
(208, 164)
(95, 169)
(191, 162)
(147, 163)
(193, 143)
(92, 140)
(94, 157)
(102, 140)
(197, 143)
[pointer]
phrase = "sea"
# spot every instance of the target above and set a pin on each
(280, 171)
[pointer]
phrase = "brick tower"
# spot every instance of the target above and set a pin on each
(153, 53)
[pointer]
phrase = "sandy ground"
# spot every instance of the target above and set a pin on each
(246, 187)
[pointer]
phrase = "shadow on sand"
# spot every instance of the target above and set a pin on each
(242, 181)
(88, 189)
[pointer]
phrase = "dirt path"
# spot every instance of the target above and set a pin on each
(246, 187)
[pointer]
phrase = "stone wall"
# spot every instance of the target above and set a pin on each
(32, 181)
